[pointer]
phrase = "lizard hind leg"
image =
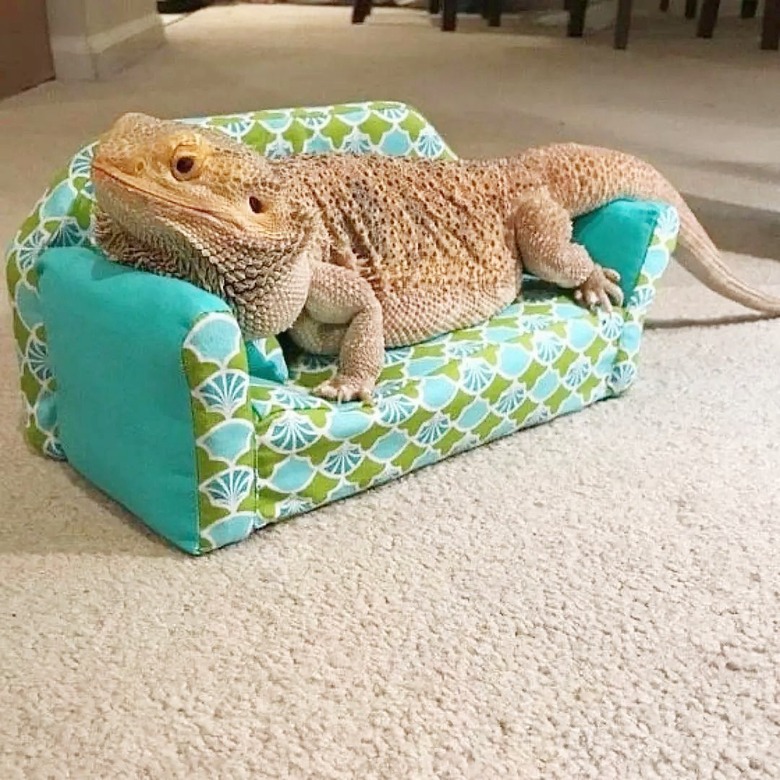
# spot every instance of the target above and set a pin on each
(343, 315)
(543, 233)
(319, 338)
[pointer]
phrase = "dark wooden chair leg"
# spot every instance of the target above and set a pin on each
(691, 7)
(770, 26)
(708, 18)
(494, 12)
(360, 10)
(664, 5)
(622, 23)
(434, 7)
(748, 9)
(577, 10)
(449, 16)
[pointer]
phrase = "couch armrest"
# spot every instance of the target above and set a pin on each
(623, 235)
(660, 223)
(151, 397)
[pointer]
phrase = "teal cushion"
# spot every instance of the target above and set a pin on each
(124, 411)
(618, 235)
(266, 360)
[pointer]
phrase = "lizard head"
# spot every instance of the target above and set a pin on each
(189, 202)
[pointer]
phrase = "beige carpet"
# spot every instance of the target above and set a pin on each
(595, 598)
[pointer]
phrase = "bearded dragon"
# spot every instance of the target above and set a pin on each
(352, 254)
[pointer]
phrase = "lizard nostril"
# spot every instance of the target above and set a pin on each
(255, 204)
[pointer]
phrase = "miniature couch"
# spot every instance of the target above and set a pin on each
(146, 387)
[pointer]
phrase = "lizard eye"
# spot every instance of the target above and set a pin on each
(184, 167)
(255, 204)
(184, 164)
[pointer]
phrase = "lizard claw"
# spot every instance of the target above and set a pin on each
(342, 388)
(600, 289)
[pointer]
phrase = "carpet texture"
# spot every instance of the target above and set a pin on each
(595, 598)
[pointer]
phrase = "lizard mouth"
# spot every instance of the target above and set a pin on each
(151, 191)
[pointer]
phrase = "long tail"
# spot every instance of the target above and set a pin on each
(584, 177)
(704, 261)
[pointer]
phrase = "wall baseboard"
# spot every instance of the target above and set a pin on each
(96, 56)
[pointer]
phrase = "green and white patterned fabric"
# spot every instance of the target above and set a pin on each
(263, 447)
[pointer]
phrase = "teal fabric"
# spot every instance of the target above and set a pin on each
(124, 410)
(265, 363)
(617, 236)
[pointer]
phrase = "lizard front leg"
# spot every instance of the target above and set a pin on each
(543, 233)
(343, 314)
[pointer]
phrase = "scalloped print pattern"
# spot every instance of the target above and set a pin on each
(216, 368)
(540, 358)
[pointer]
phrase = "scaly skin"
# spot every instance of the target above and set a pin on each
(353, 254)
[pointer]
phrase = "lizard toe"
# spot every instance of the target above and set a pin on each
(600, 289)
(345, 388)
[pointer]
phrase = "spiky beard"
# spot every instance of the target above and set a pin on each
(266, 291)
